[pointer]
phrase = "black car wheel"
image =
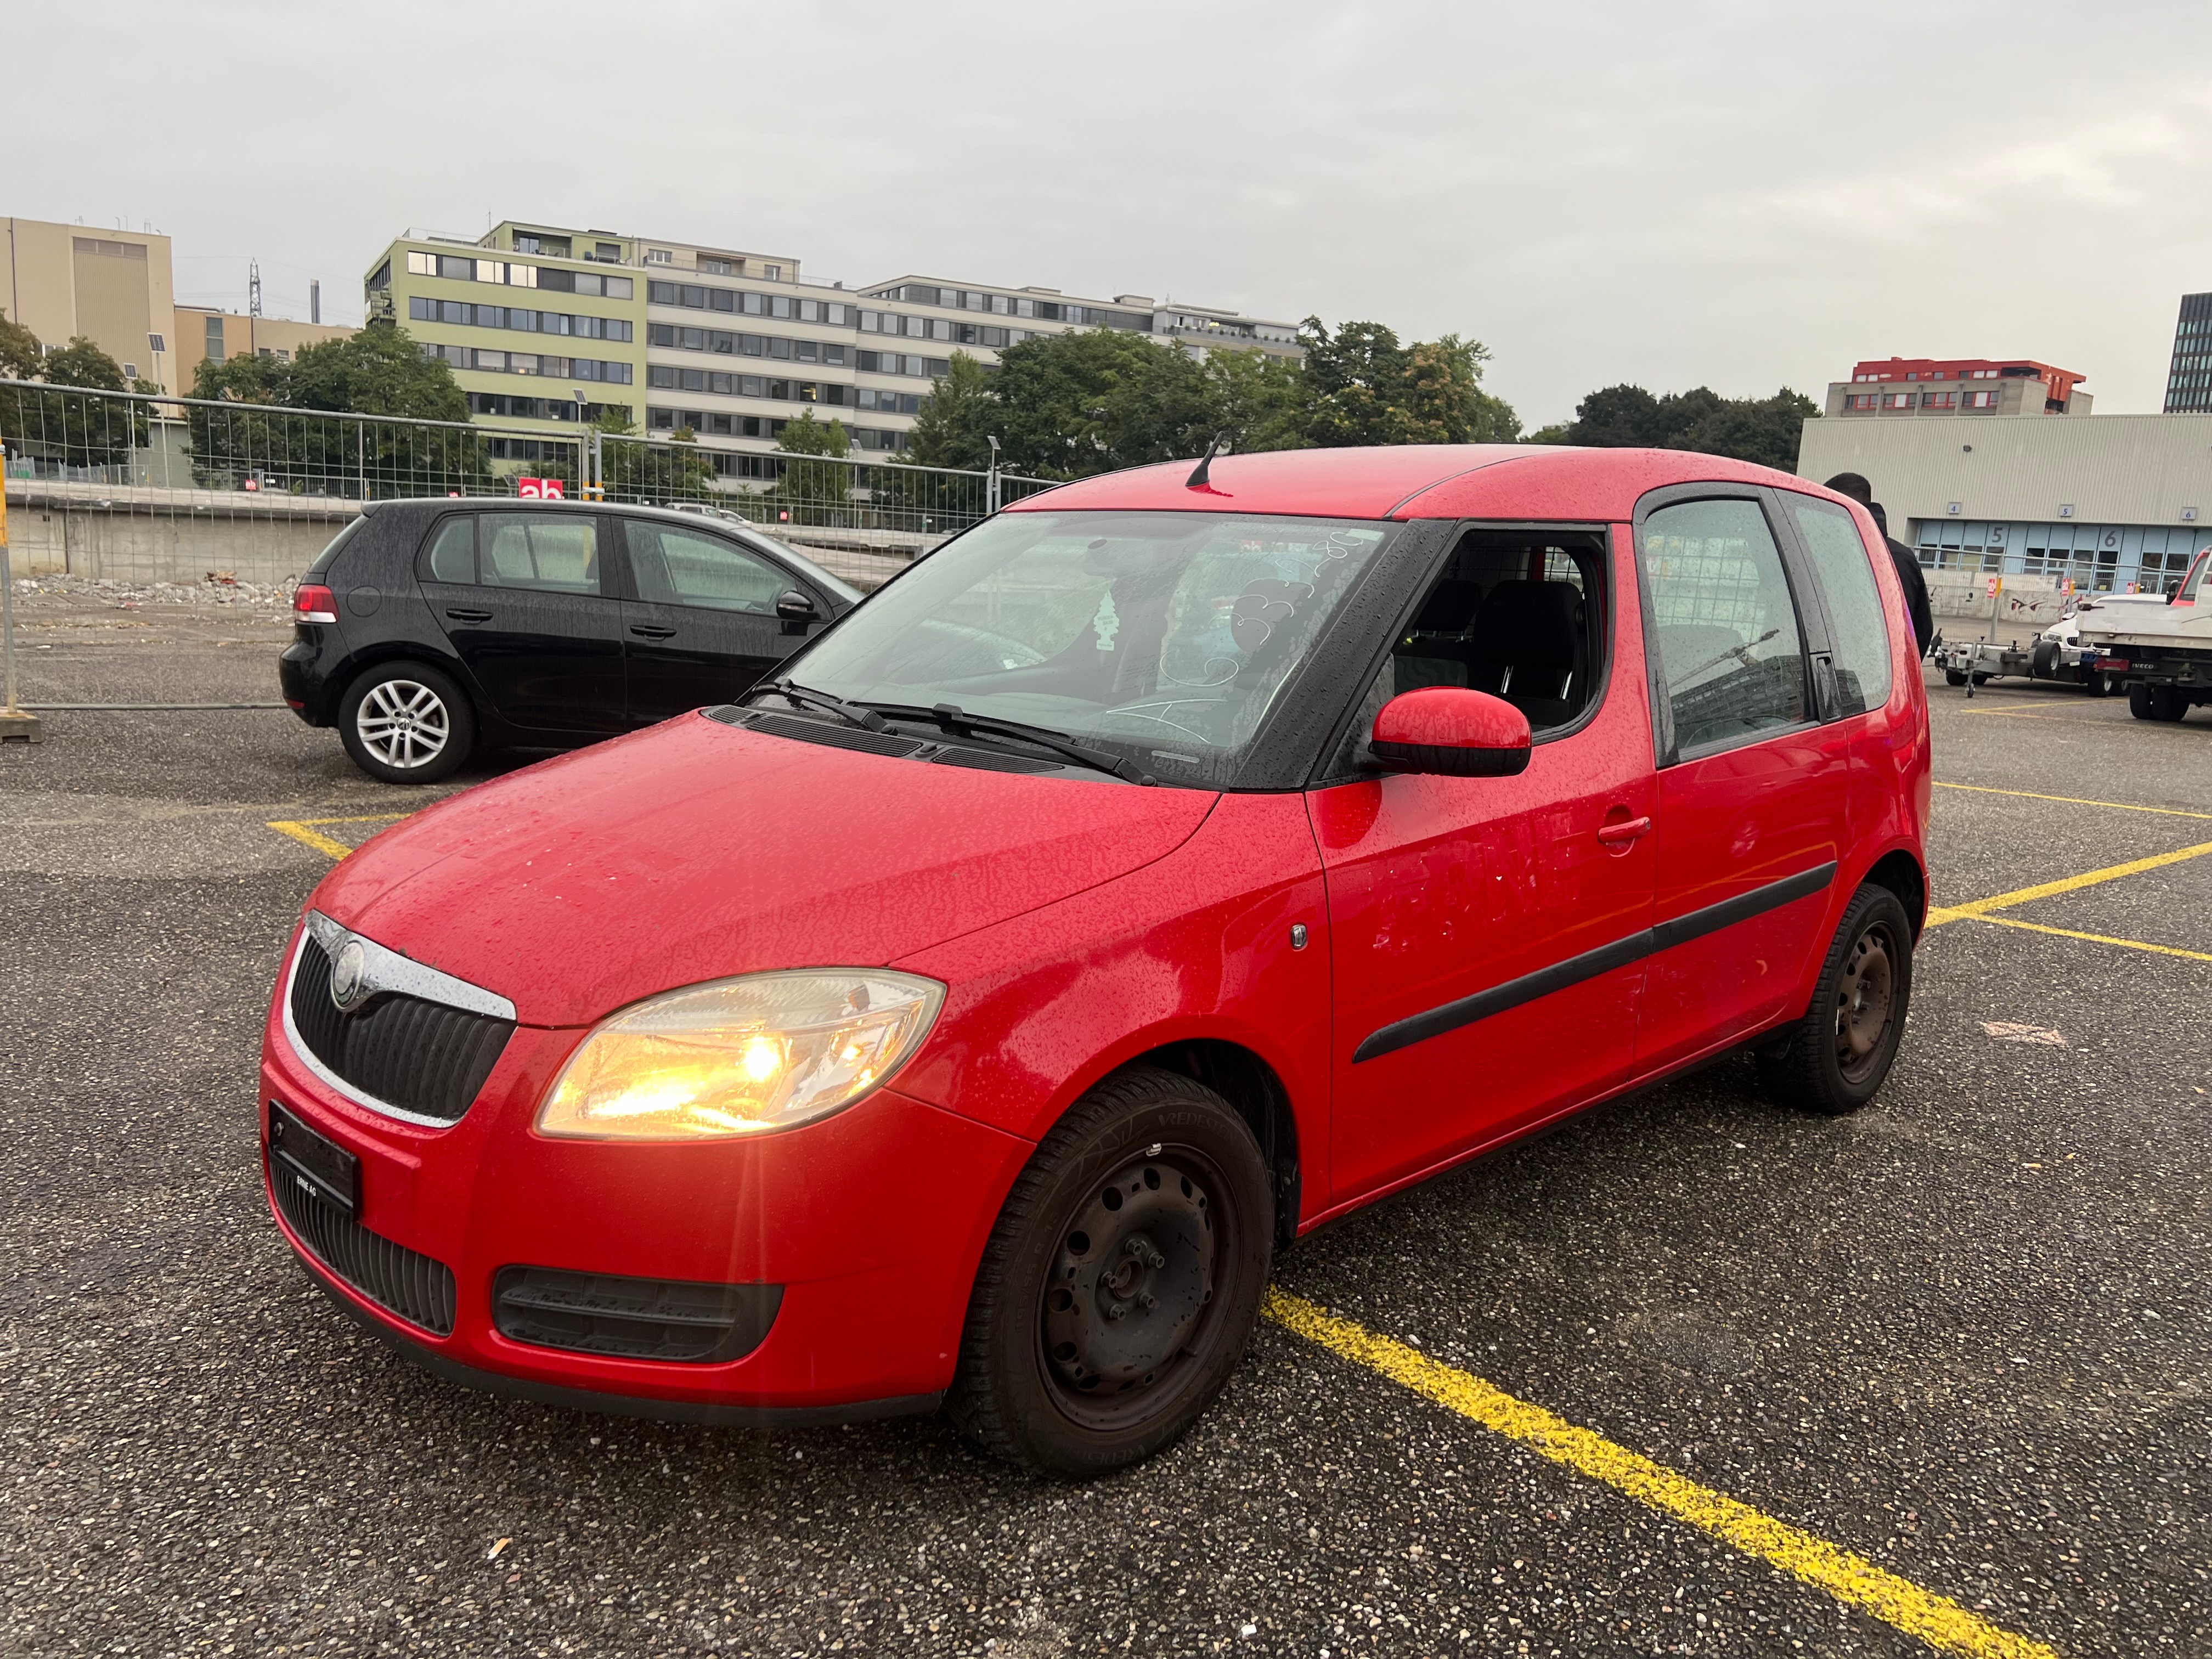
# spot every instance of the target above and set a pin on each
(1835, 1058)
(406, 722)
(1953, 677)
(1121, 1281)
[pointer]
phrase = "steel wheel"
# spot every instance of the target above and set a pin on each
(404, 723)
(1123, 1309)
(1865, 997)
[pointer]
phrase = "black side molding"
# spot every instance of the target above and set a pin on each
(1632, 947)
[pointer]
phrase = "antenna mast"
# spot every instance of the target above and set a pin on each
(253, 287)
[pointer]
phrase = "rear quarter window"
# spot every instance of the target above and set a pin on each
(1840, 560)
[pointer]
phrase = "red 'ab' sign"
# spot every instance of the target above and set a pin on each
(542, 489)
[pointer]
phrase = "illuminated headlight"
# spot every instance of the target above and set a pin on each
(740, 1056)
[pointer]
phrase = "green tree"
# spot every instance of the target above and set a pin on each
(813, 489)
(957, 419)
(1094, 401)
(1765, 430)
(64, 426)
(20, 354)
(1363, 386)
(1257, 399)
(378, 371)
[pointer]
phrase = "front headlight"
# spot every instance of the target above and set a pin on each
(740, 1056)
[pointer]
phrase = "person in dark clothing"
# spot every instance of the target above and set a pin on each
(1915, 584)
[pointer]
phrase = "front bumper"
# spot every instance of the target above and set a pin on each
(872, 1220)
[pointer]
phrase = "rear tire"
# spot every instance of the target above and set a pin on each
(2100, 685)
(1953, 677)
(406, 722)
(2139, 702)
(2167, 704)
(1122, 1280)
(1834, 1060)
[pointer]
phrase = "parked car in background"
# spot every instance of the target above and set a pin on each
(1162, 868)
(428, 626)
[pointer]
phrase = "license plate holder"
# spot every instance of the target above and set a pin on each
(325, 1168)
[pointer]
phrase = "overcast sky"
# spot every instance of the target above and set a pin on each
(1742, 196)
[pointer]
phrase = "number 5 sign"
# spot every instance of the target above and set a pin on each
(542, 489)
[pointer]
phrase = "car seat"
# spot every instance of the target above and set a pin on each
(1530, 647)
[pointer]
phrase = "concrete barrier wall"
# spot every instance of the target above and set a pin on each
(154, 544)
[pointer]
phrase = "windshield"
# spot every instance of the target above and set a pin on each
(1161, 636)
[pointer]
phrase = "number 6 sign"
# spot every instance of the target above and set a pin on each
(543, 489)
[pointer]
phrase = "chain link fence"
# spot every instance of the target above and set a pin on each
(131, 487)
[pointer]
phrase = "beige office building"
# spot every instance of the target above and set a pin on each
(116, 289)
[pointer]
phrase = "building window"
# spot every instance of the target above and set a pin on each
(215, 339)
(1860, 400)
(774, 273)
(1939, 400)
(659, 256)
(1981, 400)
(1897, 400)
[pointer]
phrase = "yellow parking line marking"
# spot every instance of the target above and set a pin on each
(2073, 800)
(2034, 715)
(303, 830)
(2096, 938)
(2066, 885)
(1852, 1579)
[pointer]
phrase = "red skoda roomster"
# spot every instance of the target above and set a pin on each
(1159, 870)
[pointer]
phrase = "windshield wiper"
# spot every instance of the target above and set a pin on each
(859, 714)
(959, 723)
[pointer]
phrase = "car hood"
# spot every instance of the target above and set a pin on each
(697, 850)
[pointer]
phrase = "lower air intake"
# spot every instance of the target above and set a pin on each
(404, 1281)
(669, 1319)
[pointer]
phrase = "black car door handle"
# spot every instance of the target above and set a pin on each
(470, 616)
(651, 631)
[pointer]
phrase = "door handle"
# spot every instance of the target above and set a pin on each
(652, 631)
(1629, 829)
(470, 616)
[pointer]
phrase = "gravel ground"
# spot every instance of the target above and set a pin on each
(1963, 1333)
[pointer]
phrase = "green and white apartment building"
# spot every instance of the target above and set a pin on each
(543, 325)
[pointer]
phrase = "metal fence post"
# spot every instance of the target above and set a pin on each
(15, 725)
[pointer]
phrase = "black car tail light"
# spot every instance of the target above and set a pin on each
(668, 1319)
(314, 603)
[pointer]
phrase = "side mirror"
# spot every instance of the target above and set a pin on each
(1451, 732)
(795, 610)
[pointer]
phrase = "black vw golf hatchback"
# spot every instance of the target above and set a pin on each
(427, 627)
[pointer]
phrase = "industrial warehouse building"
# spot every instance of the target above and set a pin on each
(2117, 503)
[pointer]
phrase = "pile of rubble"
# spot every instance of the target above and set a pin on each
(217, 587)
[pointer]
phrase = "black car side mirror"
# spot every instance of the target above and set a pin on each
(796, 611)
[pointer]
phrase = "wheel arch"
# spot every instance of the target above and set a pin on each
(1900, 873)
(1249, 1083)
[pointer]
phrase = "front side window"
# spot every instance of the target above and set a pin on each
(554, 552)
(677, 567)
(1856, 615)
(1724, 626)
(1162, 636)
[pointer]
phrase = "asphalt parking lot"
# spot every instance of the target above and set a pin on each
(1838, 1377)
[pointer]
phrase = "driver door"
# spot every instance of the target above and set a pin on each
(1486, 944)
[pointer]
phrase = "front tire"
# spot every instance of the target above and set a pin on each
(1834, 1060)
(406, 722)
(1122, 1280)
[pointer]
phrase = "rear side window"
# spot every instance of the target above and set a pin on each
(1855, 613)
(554, 552)
(454, 554)
(676, 567)
(1725, 626)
